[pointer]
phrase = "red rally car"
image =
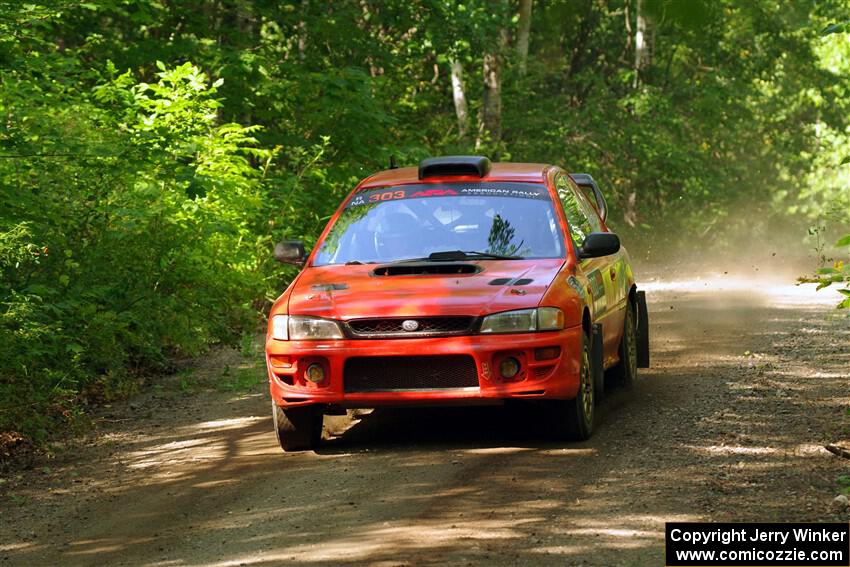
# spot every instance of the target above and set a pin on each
(459, 281)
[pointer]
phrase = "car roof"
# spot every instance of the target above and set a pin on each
(521, 172)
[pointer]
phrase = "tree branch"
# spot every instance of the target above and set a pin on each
(838, 451)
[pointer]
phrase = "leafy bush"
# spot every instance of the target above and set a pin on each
(139, 245)
(837, 273)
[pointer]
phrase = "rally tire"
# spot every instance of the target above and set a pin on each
(574, 419)
(298, 428)
(625, 372)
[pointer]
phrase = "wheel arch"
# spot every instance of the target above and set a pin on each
(586, 322)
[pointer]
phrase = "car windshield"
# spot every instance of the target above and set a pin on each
(390, 224)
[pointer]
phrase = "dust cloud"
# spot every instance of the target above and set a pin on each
(759, 263)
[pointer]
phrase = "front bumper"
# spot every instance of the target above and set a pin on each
(555, 378)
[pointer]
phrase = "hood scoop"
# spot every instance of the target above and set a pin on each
(426, 269)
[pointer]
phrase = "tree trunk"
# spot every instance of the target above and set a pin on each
(459, 97)
(522, 34)
(491, 109)
(630, 210)
(642, 60)
(492, 104)
(302, 31)
(642, 53)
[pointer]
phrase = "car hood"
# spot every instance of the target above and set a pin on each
(353, 292)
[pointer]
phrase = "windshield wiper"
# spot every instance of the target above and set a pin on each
(454, 256)
(450, 255)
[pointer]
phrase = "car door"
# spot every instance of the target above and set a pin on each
(600, 274)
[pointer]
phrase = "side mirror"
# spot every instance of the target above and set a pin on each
(599, 244)
(290, 252)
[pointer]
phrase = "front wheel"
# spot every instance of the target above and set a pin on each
(298, 428)
(573, 419)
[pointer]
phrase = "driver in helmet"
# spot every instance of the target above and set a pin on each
(397, 236)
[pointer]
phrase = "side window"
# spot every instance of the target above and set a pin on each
(587, 192)
(577, 217)
(590, 211)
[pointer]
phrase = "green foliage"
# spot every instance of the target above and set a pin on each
(834, 28)
(843, 482)
(838, 273)
(827, 196)
(125, 256)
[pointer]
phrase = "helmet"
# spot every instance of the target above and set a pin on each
(396, 236)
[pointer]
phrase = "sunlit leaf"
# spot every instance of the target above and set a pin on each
(75, 348)
(833, 28)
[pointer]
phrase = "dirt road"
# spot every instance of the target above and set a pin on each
(728, 424)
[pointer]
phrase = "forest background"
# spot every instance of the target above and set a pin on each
(153, 151)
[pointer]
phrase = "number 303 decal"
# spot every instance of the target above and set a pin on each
(386, 196)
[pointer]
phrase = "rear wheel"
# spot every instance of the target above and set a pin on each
(573, 419)
(298, 428)
(625, 372)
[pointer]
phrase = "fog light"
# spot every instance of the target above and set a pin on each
(315, 373)
(547, 353)
(509, 367)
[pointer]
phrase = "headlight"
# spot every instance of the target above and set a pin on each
(524, 321)
(310, 328)
(296, 328)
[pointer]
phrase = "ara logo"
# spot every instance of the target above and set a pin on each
(435, 193)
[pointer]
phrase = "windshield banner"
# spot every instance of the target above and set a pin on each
(536, 191)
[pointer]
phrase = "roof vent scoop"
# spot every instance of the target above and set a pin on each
(586, 183)
(477, 166)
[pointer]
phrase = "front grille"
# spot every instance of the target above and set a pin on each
(394, 373)
(430, 326)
